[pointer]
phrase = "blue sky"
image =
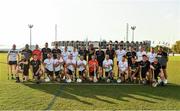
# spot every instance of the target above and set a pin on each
(156, 20)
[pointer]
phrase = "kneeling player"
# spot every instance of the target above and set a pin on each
(48, 63)
(93, 67)
(81, 64)
(22, 67)
(58, 67)
(70, 68)
(157, 71)
(36, 68)
(123, 69)
(107, 65)
(144, 68)
(133, 69)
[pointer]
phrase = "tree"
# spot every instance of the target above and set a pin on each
(176, 47)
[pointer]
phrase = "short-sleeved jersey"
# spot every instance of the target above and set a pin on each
(65, 55)
(157, 67)
(151, 56)
(145, 65)
(72, 62)
(80, 63)
(60, 62)
(45, 51)
(75, 55)
(13, 55)
(27, 54)
(120, 54)
(100, 55)
(162, 58)
(111, 53)
(55, 52)
(134, 66)
(123, 65)
(107, 64)
(38, 53)
(35, 65)
(92, 65)
(49, 64)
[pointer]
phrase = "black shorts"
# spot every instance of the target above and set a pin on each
(117, 63)
(57, 73)
(143, 74)
(81, 72)
(164, 67)
(26, 72)
(107, 74)
(100, 63)
(49, 72)
(12, 63)
(69, 72)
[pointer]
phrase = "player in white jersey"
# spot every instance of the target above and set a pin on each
(140, 54)
(58, 67)
(75, 54)
(152, 55)
(123, 69)
(107, 65)
(81, 64)
(65, 54)
(49, 69)
(70, 67)
(120, 53)
(12, 60)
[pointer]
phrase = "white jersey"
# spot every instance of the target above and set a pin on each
(75, 55)
(79, 62)
(70, 67)
(120, 54)
(65, 55)
(108, 65)
(58, 61)
(123, 65)
(49, 64)
(13, 54)
(151, 56)
(140, 54)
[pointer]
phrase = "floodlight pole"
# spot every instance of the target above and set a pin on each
(133, 28)
(30, 27)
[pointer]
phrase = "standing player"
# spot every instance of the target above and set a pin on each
(111, 52)
(100, 57)
(36, 68)
(152, 55)
(48, 63)
(162, 57)
(12, 60)
(91, 52)
(70, 68)
(144, 67)
(83, 52)
(65, 54)
(140, 53)
(130, 54)
(45, 51)
(74, 54)
(37, 52)
(56, 51)
(27, 53)
(107, 65)
(93, 66)
(123, 69)
(81, 64)
(58, 67)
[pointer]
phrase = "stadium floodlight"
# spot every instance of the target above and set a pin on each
(30, 27)
(133, 28)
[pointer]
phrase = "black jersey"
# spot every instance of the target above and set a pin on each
(45, 51)
(23, 66)
(83, 53)
(90, 54)
(162, 58)
(145, 65)
(55, 52)
(35, 65)
(157, 67)
(111, 53)
(130, 55)
(134, 66)
(100, 56)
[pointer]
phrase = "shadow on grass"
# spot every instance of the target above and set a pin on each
(101, 93)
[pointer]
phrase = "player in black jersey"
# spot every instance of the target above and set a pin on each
(36, 68)
(45, 51)
(56, 51)
(144, 68)
(133, 69)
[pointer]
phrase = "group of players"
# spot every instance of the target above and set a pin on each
(81, 65)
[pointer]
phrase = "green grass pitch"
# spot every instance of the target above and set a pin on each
(89, 97)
